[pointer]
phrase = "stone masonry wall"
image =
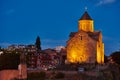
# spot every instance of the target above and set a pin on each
(9, 74)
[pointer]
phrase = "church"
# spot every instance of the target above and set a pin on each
(85, 45)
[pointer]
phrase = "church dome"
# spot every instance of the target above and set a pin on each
(85, 16)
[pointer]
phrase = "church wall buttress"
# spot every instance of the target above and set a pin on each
(100, 52)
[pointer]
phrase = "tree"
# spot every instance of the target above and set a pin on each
(116, 57)
(38, 43)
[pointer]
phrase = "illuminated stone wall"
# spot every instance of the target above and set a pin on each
(100, 50)
(9, 74)
(81, 48)
(21, 73)
(86, 25)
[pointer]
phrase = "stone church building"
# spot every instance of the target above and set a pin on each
(85, 45)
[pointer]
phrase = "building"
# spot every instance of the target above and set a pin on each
(31, 54)
(47, 58)
(85, 45)
(63, 55)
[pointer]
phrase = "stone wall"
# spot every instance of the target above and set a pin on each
(21, 73)
(9, 74)
(81, 48)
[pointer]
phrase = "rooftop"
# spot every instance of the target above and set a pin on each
(85, 16)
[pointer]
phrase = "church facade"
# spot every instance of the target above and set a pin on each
(85, 45)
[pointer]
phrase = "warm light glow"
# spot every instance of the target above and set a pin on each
(86, 25)
(84, 47)
(73, 56)
(100, 52)
(80, 50)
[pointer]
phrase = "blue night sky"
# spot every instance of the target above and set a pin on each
(21, 21)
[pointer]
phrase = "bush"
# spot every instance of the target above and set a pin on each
(59, 75)
(37, 76)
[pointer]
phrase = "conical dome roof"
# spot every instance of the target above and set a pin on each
(85, 16)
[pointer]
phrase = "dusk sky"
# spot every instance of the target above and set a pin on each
(21, 21)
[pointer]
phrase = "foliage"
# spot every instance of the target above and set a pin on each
(9, 61)
(37, 76)
(38, 43)
(59, 75)
(116, 57)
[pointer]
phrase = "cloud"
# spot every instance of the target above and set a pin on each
(111, 47)
(47, 46)
(45, 43)
(103, 2)
(52, 43)
(4, 45)
(111, 44)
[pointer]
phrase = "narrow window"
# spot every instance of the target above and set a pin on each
(80, 37)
